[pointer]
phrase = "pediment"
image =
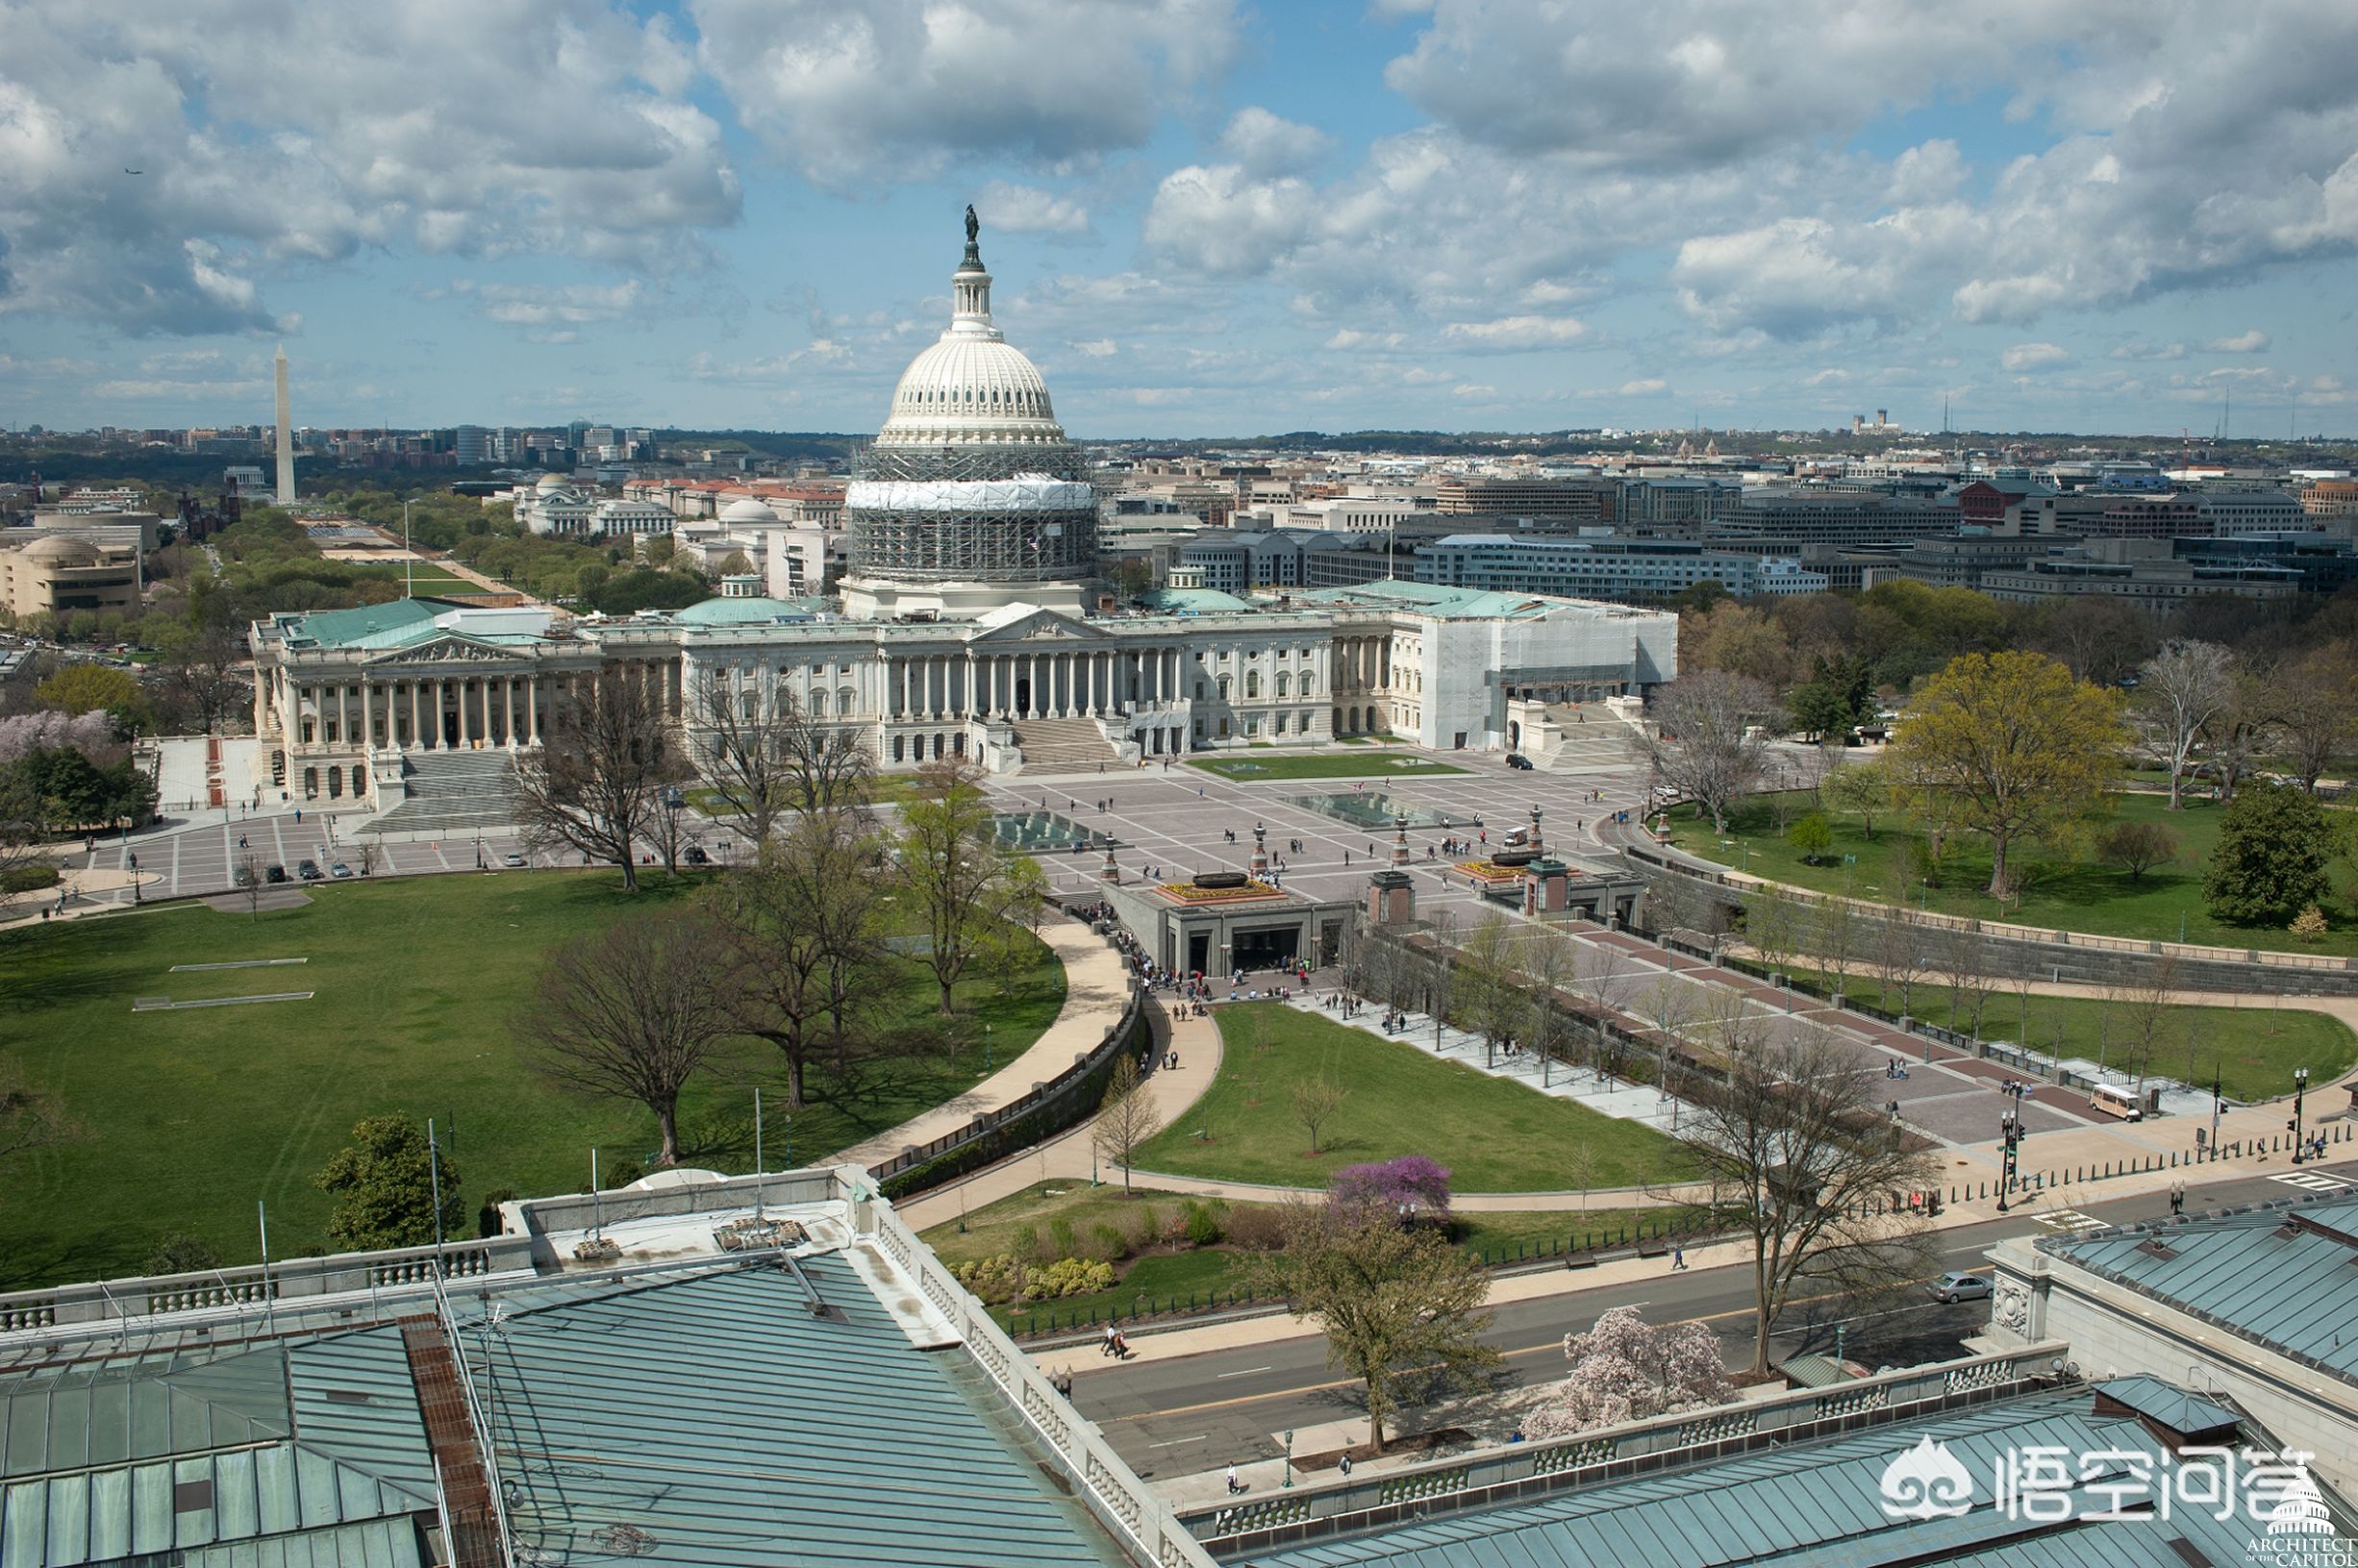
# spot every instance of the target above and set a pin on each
(1034, 626)
(449, 650)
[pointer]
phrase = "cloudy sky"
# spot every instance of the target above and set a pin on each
(1205, 216)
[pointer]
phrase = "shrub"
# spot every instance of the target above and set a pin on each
(1145, 1225)
(1105, 1244)
(1923, 865)
(996, 1279)
(2137, 846)
(25, 878)
(1027, 1243)
(2309, 925)
(1203, 1225)
(487, 1218)
(1059, 1237)
(180, 1252)
(1813, 836)
(621, 1174)
(1255, 1228)
(1067, 1277)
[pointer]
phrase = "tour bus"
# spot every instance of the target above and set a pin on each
(2117, 1100)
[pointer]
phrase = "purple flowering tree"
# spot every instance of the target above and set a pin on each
(1410, 1184)
(1625, 1369)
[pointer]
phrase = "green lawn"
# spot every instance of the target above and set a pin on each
(1493, 1134)
(193, 1116)
(2064, 891)
(1220, 1270)
(2252, 1050)
(1325, 765)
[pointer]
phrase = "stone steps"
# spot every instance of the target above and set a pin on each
(1062, 745)
(452, 792)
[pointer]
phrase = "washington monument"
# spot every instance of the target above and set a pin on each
(286, 436)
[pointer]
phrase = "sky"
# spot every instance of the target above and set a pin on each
(1205, 217)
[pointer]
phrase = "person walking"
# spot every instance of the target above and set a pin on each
(1678, 1258)
(1234, 1485)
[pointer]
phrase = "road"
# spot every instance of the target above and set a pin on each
(1192, 1413)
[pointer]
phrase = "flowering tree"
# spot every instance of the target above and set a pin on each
(1411, 1182)
(23, 733)
(1625, 1370)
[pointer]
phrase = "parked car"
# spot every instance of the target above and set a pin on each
(696, 855)
(243, 876)
(1516, 760)
(276, 872)
(672, 797)
(1960, 1288)
(512, 859)
(307, 870)
(339, 871)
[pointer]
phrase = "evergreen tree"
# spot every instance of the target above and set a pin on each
(2273, 843)
(383, 1187)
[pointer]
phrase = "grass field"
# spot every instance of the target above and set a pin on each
(2250, 1049)
(193, 1116)
(2074, 893)
(1324, 765)
(1219, 1270)
(1495, 1136)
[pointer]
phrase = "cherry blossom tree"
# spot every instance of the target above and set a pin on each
(1625, 1369)
(1410, 1184)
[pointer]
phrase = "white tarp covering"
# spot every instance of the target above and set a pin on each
(1025, 492)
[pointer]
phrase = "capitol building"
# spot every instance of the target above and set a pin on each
(972, 623)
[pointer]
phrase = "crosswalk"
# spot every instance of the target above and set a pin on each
(2313, 1181)
(2069, 1219)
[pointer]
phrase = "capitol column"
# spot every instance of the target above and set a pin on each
(506, 695)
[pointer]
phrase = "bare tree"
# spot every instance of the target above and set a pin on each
(1833, 937)
(1315, 1099)
(372, 856)
(1705, 738)
(1965, 962)
(763, 755)
(802, 922)
(1489, 992)
(633, 1012)
(2143, 1014)
(247, 878)
(2181, 690)
(1773, 925)
(1127, 1117)
(201, 681)
(1899, 958)
(2242, 728)
(1802, 1161)
(1669, 1006)
(1548, 963)
(595, 784)
(2317, 710)
(1605, 978)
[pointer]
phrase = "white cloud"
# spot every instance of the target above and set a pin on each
(1514, 333)
(1472, 390)
(1650, 386)
(850, 91)
(1028, 210)
(1828, 377)
(269, 137)
(528, 304)
(2245, 342)
(1262, 144)
(1348, 339)
(2028, 357)
(1096, 349)
(1221, 220)
(2139, 349)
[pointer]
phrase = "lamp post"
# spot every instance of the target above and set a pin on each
(1289, 1456)
(2219, 1102)
(2010, 1134)
(2300, 1091)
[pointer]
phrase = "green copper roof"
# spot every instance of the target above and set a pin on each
(1198, 602)
(348, 628)
(717, 1420)
(1433, 599)
(755, 611)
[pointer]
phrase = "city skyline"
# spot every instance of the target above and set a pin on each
(1208, 221)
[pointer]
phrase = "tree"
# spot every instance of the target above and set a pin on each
(1489, 991)
(634, 1012)
(763, 755)
(2317, 710)
(1315, 1099)
(1624, 1369)
(1813, 836)
(2242, 729)
(1408, 1188)
(802, 921)
(2097, 637)
(1965, 962)
(2179, 691)
(1838, 693)
(1901, 954)
(201, 680)
(1705, 740)
(180, 1252)
(2137, 846)
(88, 689)
(2309, 925)
(2275, 843)
(1773, 923)
(1800, 1158)
(1833, 937)
(1863, 788)
(2012, 743)
(595, 783)
(384, 1182)
(1127, 1117)
(248, 880)
(1395, 1301)
(952, 865)
(2142, 1011)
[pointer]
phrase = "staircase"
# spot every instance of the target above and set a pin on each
(1062, 745)
(452, 792)
(1604, 741)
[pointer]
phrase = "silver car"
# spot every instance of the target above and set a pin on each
(1960, 1288)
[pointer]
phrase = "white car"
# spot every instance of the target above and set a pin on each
(1960, 1288)
(512, 857)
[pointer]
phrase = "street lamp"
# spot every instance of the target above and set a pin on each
(2301, 1089)
(2010, 1135)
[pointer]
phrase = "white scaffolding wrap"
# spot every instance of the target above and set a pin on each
(1025, 492)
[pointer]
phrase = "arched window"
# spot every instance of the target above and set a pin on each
(1252, 684)
(1285, 684)
(360, 783)
(748, 704)
(897, 743)
(1307, 679)
(1223, 689)
(818, 703)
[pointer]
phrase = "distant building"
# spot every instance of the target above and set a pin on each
(54, 573)
(1618, 570)
(1591, 500)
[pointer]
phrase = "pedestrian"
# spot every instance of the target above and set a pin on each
(1107, 1349)
(1678, 1258)
(1234, 1486)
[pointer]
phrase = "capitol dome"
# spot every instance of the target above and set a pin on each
(973, 387)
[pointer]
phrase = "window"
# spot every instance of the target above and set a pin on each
(1223, 689)
(1285, 684)
(1306, 680)
(1252, 684)
(818, 703)
(1278, 725)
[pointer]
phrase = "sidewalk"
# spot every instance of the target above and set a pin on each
(1096, 987)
